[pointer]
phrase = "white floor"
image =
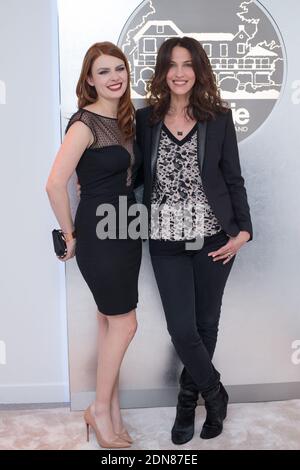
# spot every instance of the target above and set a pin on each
(272, 425)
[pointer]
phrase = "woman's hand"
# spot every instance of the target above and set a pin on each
(71, 245)
(231, 248)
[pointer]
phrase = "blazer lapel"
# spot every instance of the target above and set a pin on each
(155, 136)
(201, 134)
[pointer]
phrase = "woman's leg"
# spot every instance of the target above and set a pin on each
(116, 410)
(118, 331)
(210, 280)
(116, 416)
(175, 279)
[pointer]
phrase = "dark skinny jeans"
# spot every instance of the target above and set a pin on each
(191, 287)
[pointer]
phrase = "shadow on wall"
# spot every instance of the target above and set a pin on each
(2, 92)
(2, 353)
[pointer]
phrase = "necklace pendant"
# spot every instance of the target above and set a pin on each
(179, 133)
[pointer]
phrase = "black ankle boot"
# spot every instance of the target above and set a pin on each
(183, 428)
(216, 401)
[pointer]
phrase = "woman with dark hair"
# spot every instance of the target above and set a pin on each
(99, 145)
(200, 217)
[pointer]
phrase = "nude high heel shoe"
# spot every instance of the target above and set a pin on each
(116, 443)
(125, 436)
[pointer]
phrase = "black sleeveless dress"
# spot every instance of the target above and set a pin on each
(107, 170)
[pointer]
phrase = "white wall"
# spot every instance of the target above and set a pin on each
(260, 313)
(33, 336)
(32, 304)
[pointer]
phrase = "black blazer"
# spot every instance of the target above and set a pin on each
(219, 166)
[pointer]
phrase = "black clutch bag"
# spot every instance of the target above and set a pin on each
(59, 243)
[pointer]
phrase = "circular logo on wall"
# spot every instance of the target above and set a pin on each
(241, 41)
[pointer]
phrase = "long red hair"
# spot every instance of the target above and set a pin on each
(87, 94)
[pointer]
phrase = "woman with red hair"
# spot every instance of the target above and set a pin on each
(99, 145)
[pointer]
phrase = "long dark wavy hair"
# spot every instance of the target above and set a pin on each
(204, 101)
(87, 94)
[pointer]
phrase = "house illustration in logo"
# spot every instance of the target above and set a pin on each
(244, 47)
(236, 64)
(241, 70)
(147, 42)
